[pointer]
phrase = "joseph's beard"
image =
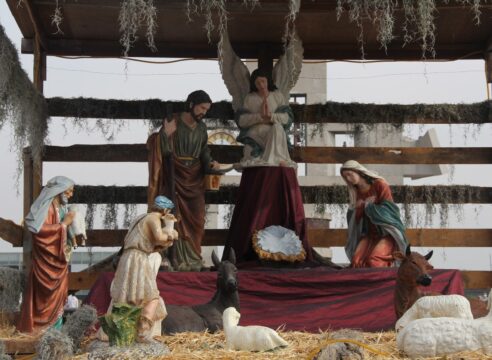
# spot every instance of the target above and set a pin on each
(196, 117)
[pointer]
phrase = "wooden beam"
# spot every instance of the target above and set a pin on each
(81, 280)
(314, 155)
(417, 237)
(11, 232)
(477, 279)
(20, 345)
(330, 112)
(127, 109)
(28, 200)
(472, 280)
(335, 194)
(204, 50)
(316, 237)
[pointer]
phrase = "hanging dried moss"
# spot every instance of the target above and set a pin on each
(20, 102)
(109, 112)
(227, 218)
(358, 113)
(110, 220)
(12, 284)
(418, 25)
(437, 200)
(329, 112)
(57, 18)
(133, 15)
(89, 216)
(129, 215)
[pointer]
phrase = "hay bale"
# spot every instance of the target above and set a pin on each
(342, 350)
(11, 286)
(54, 345)
(77, 324)
(3, 356)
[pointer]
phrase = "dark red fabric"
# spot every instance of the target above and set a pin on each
(308, 299)
(266, 196)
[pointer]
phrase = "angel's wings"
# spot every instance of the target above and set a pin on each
(236, 75)
(234, 72)
(288, 67)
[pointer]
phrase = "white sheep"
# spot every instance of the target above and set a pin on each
(78, 227)
(169, 220)
(248, 338)
(432, 337)
(454, 306)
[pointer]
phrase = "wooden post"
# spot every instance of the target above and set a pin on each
(265, 57)
(488, 65)
(28, 199)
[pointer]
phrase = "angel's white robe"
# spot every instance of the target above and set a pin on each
(271, 137)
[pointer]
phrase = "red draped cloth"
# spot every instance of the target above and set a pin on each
(47, 285)
(303, 299)
(266, 196)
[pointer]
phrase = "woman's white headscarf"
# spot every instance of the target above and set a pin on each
(39, 209)
(355, 166)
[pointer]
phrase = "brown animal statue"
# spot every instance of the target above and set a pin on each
(201, 317)
(413, 273)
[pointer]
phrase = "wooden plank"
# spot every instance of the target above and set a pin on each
(81, 280)
(28, 200)
(314, 155)
(472, 280)
(20, 345)
(477, 279)
(330, 112)
(81, 108)
(11, 232)
(321, 237)
(335, 194)
(417, 237)
(249, 50)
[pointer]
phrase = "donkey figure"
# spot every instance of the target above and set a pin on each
(198, 318)
(412, 273)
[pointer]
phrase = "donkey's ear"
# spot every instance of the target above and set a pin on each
(232, 256)
(215, 259)
(398, 255)
(429, 255)
(408, 251)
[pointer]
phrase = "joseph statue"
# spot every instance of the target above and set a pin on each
(179, 158)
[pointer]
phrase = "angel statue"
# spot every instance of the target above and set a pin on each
(261, 103)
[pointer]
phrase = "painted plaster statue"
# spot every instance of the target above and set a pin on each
(135, 278)
(179, 158)
(441, 336)
(249, 338)
(47, 285)
(261, 103)
(375, 229)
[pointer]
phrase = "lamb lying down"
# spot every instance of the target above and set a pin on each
(453, 306)
(78, 226)
(248, 338)
(432, 337)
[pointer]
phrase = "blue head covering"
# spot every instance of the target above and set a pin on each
(39, 209)
(163, 202)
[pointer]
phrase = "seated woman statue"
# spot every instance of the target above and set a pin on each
(261, 103)
(375, 229)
